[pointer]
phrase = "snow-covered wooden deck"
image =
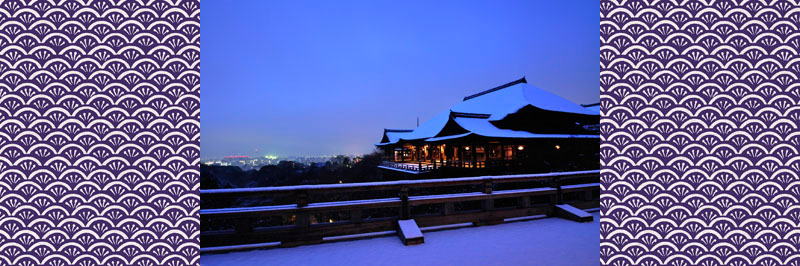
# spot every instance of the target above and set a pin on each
(548, 241)
(497, 198)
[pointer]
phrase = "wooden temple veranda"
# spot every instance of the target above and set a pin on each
(512, 128)
(509, 153)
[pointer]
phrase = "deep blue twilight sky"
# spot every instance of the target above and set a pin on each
(325, 77)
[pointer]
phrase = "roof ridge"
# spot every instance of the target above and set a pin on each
(397, 130)
(521, 80)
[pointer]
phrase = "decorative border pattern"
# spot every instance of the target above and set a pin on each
(99, 132)
(700, 114)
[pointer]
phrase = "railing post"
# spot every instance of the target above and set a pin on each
(559, 195)
(301, 198)
(302, 221)
(488, 217)
(405, 209)
(488, 185)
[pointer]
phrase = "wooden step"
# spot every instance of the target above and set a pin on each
(409, 232)
(569, 212)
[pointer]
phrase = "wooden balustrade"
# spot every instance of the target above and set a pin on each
(529, 201)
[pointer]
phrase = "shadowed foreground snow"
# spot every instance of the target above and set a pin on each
(550, 241)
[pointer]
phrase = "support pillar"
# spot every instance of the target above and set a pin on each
(419, 159)
(441, 155)
(474, 155)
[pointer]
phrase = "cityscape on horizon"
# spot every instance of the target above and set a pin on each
(245, 162)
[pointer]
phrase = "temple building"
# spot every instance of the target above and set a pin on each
(512, 128)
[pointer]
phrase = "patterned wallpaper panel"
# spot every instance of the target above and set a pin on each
(99, 132)
(701, 107)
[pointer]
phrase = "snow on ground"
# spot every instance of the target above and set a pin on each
(550, 241)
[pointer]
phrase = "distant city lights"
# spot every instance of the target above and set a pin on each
(257, 162)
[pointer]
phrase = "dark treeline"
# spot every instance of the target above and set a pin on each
(286, 173)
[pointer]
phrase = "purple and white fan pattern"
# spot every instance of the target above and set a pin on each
(99, 132)
(701, 107)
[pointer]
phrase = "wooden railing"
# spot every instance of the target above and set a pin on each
(427, 166)
(421, 168)
(528, 194)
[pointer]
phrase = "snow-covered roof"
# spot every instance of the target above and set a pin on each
(483, 127)
(492, 105)
(430, 128)
(509, 99)
(449, 137)
(391, 136)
